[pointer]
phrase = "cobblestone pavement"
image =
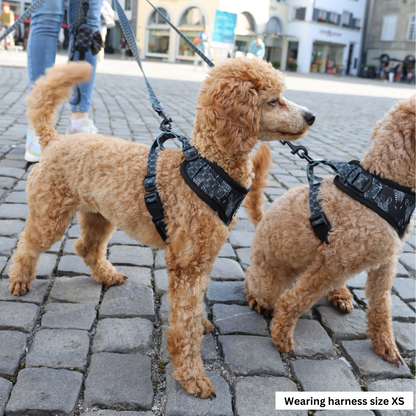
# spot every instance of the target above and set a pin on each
(71, 346)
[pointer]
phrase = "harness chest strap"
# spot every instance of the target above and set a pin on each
(210, 182)
(388, 199)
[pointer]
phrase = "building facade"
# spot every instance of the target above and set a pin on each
(390, 34)
(329, 35)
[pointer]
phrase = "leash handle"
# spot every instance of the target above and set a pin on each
(185, 38)
(23, 17)
(165, 125)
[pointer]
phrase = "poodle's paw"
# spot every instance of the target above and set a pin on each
(387, 350)
(208, 327)
(344, 305)
(19, 288)
(200, 387)
(283, 340)
(254, 305)
(115, 279)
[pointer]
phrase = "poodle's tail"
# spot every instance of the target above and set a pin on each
(48, 92)
(253, 204)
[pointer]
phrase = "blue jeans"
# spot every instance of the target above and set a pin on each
(43, 40)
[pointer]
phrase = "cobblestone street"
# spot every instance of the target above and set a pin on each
(73, 347)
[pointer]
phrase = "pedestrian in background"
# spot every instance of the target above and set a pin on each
(257, 48)
(7, 19)
(123, 47)
(392, 73)
(106, 22)
(45, 25)
(202, 43)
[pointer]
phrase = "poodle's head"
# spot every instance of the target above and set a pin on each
(242, 101)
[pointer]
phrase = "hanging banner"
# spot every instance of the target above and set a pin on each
(223, 33)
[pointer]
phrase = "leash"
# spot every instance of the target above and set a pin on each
(28, 12)
(393, 202)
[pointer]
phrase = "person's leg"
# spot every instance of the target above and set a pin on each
(41, 51)
(80, 110)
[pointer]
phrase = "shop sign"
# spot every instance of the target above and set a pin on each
(223, 33)
(330, 33)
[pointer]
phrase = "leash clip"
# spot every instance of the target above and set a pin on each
(165, 124)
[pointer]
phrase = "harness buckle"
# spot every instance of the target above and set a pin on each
(320, 226)
(191, 154)
(154, 205)
(360, 181)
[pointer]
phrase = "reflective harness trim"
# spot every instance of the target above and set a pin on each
(393, 202)
(210, 182)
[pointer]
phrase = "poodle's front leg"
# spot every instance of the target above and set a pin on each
(379, 325)
(341, 299)
(185, 292)
(311, 285)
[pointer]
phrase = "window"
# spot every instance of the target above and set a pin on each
(158, 35)
(300, 13)
(333, 18)
(321, 16)
(358, 23)
(127, 5)
(411, 29)
(273, 26)
(193, 17)
(345, 19)
(389, 27)
(157, 19)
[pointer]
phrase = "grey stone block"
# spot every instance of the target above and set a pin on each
(160, 262)
(121, 238)
(6, 245)
(79, 289)
(5, 389)
(130, 255)
(128, 301)
(231, 319)
(256, 396)
(72, 266)
(12, 172)
(180, 403)
(397, 384)
(244, 225)
(18, 316)
(367, 363)
(127, 336)
(343, 325)
(208, 352)
(412, 305)
(123, 381)
(45, 266)
(137, 275)
(69, 316)
(227, 269)
(405, 337)
(164, 310)
(6, 183)
(161, 281)
(325, 375)
(241, 238)
(226, 292)
(358, 281)
(405, 288)
(20, 186)
(56, 247)
(244, 256)
(14, 211)
(16, 198)
(35, 295)
(74, 231)
(227, 251)
(401, 270)
(249, 355)
(311, 340)
(59, 348)
(45, 391)
(69, 246)
(11, 228)
(13, 348)
(407, 259)
(3, 261)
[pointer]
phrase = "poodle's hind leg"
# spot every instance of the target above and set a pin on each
(96, 231)
(379, 321)
(264, 285)
(341, 299)
(45, 225)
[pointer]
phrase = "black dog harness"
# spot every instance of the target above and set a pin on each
(210, 182)
(393, 202)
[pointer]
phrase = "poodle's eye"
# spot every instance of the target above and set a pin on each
(274, 101)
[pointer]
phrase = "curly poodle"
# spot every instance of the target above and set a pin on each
(101, 179)
(285, 246)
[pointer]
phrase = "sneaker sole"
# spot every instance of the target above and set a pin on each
(31, 158)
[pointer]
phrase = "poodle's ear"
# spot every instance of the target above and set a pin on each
(230, 109)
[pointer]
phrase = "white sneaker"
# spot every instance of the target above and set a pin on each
(33, 152)
(87, 127)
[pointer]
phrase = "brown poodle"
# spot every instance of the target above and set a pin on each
(101, 179)
(285, 246)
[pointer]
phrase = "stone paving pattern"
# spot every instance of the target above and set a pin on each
(71, 346)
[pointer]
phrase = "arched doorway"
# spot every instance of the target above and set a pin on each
(245, 32)
(157, 35)
(191, 23)
(273, 39)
